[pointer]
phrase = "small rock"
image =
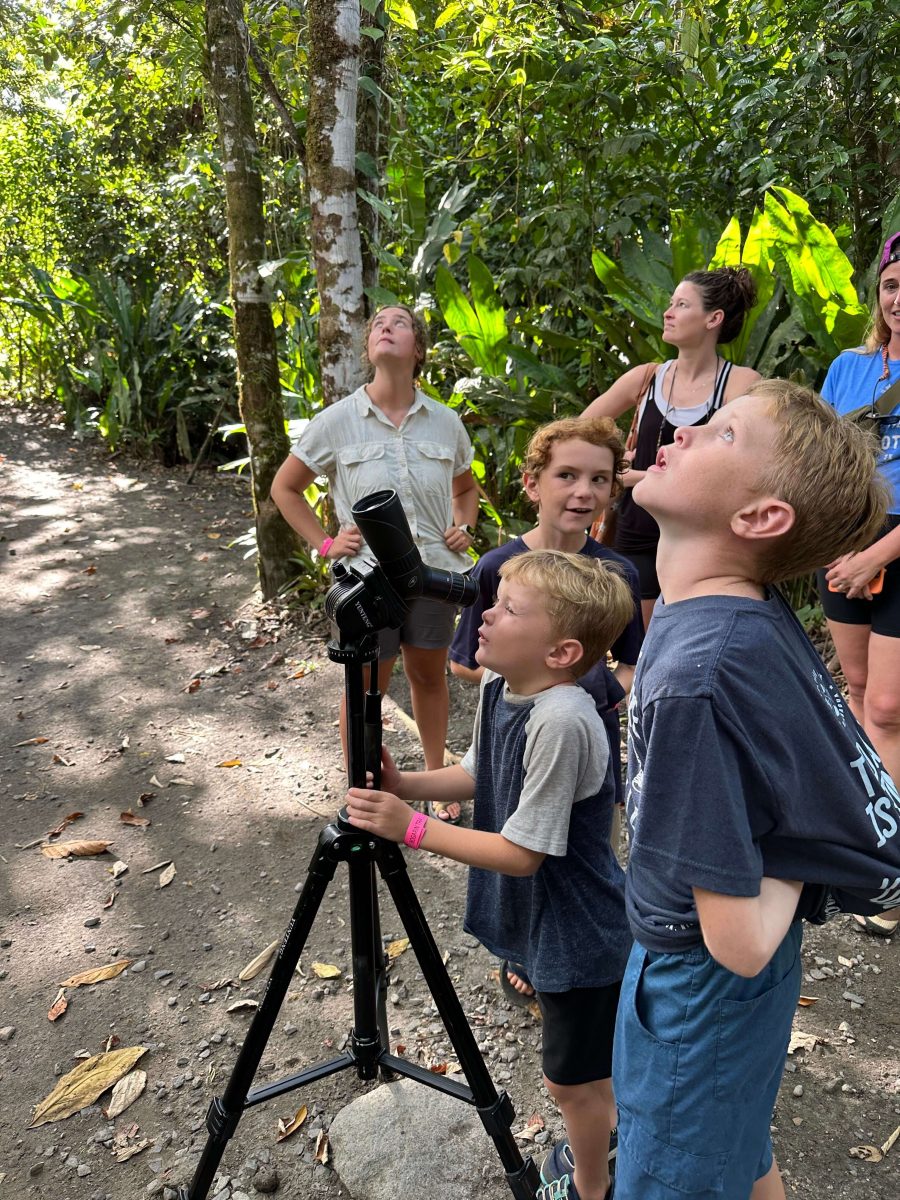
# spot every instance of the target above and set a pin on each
(35, 1169)
(82, 1170)
(140, 965)
(797, 1120)
(92, 923)
(5, 943)
(853, 998)
(798, 1090)
(158, 975)
(265, 1180)
(7, 1033)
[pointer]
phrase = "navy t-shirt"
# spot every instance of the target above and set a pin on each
(745, 761)
(599, 682)
(543, 779)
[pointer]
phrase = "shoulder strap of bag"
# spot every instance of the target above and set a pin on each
(647, 380)
(880, 409)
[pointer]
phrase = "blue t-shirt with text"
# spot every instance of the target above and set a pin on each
(853, 379)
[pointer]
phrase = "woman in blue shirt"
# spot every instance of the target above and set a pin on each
(865, 625)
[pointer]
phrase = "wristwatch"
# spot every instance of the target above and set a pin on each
(465, 529)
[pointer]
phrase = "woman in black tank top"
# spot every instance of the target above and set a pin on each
(707, 308)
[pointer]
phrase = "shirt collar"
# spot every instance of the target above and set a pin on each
(365, 406)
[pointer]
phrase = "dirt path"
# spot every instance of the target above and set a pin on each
(119, 591)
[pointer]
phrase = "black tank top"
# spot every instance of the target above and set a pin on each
(636, 530)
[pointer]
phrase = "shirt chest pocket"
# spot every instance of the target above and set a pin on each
(363, 468)
(431, 467)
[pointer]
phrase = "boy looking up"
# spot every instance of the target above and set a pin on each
(570, 471)
(545, 889)
(747, 778)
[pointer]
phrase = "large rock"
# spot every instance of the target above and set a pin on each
(406, 1140)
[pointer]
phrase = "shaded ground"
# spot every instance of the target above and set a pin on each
(118, 591)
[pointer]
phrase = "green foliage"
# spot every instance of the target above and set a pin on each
(146, 367)
(807, 308)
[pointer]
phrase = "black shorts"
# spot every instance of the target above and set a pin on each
(882, 612)
(578, 1033)
(644, 563)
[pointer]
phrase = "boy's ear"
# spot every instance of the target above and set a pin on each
(767, 517)
(565, 654)
(530, 486)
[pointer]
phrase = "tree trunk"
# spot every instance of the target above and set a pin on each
(369, 147)
(259, 389)
(331, 161)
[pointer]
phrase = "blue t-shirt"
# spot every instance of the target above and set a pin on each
(853, 380)
(543, 779)
(745, 761)
(599, 682)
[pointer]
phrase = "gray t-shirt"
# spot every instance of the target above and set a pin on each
(543, 779)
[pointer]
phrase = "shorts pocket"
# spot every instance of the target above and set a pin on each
(752, 1039)
(645, 1054)
(700, 1175)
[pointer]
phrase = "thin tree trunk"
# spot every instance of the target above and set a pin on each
(331, 160)
(259, 390)
(369, 147)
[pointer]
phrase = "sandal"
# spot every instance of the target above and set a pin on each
(879, 926)
(439, 812)
(521, 999)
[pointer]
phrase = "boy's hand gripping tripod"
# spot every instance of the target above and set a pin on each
(368, 1052)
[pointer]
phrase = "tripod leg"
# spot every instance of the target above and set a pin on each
(495, 1109)
(224, 1114)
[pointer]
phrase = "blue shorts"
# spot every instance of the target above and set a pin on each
(698, 1056)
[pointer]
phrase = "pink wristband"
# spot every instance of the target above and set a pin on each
(325, 547)
(415, 831)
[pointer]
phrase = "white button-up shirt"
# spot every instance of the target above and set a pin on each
(361, 451)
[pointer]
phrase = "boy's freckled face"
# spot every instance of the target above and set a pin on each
(574, 488)
(517, 633)
(711, 470)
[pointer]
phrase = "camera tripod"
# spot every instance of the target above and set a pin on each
(368, 1052)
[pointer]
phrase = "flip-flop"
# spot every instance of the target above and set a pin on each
(522, 999)
(879, 926)
(439, 812)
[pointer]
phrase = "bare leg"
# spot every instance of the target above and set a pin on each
(852, 645)
(647, 607)
(882, 700)
(426, 671)
(770, 1187)
(589, 1113)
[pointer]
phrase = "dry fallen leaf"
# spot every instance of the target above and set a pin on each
(175, 758)
(533, 1125)
(83, 849)
(321, 1154)
(123, 1153)
(167, 876)
(83, 1084)
(192, 686)
(868, 1153)
(803, 1041)
(156, 866)
(58, 1007)
(36, 741)
(63, 823)
(257, 964)
(97, 974)
(62, 762)
(242, 1005)
(396, 948)
(230, 762)
(286, 1128)
(326, 970)
(111, 899)
(118, 868)
(128, 818)
(806, 1001)
(125, 1093)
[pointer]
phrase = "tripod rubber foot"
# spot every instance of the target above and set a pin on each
(184, 1194)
